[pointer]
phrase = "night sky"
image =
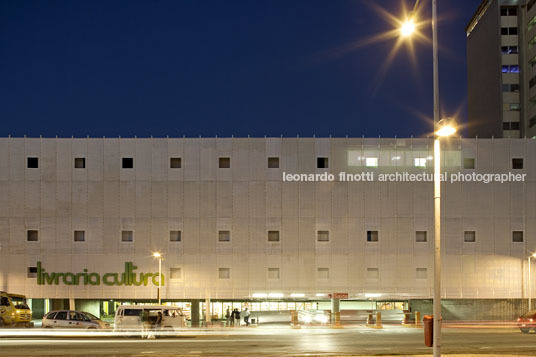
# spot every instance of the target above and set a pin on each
(200, 67)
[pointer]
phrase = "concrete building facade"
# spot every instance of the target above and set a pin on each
(500, 68)
(80, 219)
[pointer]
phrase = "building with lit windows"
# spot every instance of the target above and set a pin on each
(271, 223)
(501, 59)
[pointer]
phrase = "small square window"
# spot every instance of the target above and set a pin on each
(517, 164)
(273, 273)
(175, 273)
(420, 162)
(504, 31)
(371, 162)
(373, 273)
(175, 236)
(224, 236)
(224, 273)
(322, 163)
(273, 162)
(79, 236)
(469, 163)
(175, 163)
(32, 272)
(421, 273)
(322, 273)
(127, 236)
(33, 163)
(273, 236)
(469, 236)
(225, 162)
(420, 236)
(517, 236)
(322, 236)
(372, 236)
(32, 235)
(514, 125)
(79, 162)
(128, 163)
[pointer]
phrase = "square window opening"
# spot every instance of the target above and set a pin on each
(421, 273)
(517, 236)
(79, 236)
(322, 236)
(373, 273)
(469, 236)
(273, 236)
(224, 236)
(469, 163)
(421, 236)
(128, 163)
(33, 163)
(32, 272)
(273, 273)
(175, 236)
(79, 162)
(175, 273)
(32, 235)
(517, 164)
(420, 162)
(273, 162)
(224, 273)
(372, 236)
(175, 163)
(322, 163)
(322, 273)
(225, 162)
(127, 236)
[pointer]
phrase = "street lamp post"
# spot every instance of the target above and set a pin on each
(528, 281)
(159, 256)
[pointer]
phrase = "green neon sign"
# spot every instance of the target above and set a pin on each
(126, 278)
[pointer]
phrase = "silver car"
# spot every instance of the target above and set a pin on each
(73, 319)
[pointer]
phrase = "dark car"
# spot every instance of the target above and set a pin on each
(527, 321)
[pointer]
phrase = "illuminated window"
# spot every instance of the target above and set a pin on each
(273, 273)
(224, 273)
(371, 162)
(420, 162)
(421, 236)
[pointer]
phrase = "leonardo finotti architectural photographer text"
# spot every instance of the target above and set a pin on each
(404, 177)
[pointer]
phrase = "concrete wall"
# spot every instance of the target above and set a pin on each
(249, 199)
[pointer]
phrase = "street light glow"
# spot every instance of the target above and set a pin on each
(408, 28)
(445, 127)
(157, 254)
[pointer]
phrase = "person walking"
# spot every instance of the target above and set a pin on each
(228, 317)
(237, 318)
(246, 316)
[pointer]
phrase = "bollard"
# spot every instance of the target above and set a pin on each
(417, 319)
(337, 320)
(378, 320)
(428, 321)
(406, 318)
(370, 320)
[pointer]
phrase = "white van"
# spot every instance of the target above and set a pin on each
(139, 317)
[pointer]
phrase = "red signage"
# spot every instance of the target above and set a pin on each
(338, 296)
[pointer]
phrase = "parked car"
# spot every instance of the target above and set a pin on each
(73, 319)
(138, 317)
(527, 321)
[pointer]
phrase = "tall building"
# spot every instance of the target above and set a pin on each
(500, 69)
(80, 218)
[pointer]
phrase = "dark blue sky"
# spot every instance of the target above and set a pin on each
(199, 67)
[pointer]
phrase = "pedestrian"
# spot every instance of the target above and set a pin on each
(237, 315)
(246, 316)
(228, 317)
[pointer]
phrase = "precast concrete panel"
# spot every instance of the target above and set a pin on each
(241, 163)
(95, 159)
(159, 160)
(144, 156)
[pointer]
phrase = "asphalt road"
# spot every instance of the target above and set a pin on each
(280, 342)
